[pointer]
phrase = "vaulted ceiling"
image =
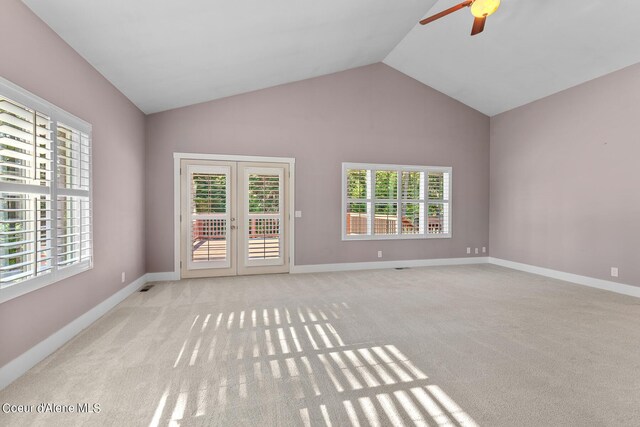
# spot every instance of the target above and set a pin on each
(166, 54)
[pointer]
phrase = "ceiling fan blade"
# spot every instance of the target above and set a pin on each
(446, 12)
(478, 25)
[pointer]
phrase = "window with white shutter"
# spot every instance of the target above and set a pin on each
(395, 202)
(45, 193)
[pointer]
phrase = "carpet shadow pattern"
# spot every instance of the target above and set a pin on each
(437, 346)
(291, 352)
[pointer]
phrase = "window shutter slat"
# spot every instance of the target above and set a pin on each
(40, 230)
(73, 155)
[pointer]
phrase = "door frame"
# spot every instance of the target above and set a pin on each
(177, 157)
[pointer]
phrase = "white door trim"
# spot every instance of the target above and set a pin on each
(177, 157)
(218, 267)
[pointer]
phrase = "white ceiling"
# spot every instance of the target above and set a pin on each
(529, 49)
(165, 54)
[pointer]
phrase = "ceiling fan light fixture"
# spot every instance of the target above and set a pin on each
(483, 8)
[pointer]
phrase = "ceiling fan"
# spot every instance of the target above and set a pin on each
(480, 9)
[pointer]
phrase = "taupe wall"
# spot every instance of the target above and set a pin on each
(371, 114)
(565, 180)
(34, 57)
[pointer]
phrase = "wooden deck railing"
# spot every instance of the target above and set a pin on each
(204, 229)
(382, 224)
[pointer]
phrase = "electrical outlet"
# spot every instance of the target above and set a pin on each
(614, 271)
(379, 254)
(123, 277)
(468, 250)
(298, 214)
(484, 250)
(476, 251)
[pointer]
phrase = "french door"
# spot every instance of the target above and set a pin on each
(234, 218)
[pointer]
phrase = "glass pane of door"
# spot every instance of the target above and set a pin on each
(209, 188)
(264, 216)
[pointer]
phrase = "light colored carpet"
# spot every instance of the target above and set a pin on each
(468, 345)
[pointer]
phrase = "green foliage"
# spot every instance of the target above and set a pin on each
(264, 194)
(357, 184)
(386, 209)
(16, 235)
(436, 211)
(436, 186)
(411, 185)
(411, 211)
(210, 193)
(386, 185)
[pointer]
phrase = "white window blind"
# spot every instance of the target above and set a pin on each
(45, 193)
(264, 201)
(210, 215)
(395, 202)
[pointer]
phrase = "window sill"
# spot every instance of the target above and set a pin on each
(396, 237)
(16, 290)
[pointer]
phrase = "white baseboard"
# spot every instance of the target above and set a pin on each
(27, 360)
(606, 285)
(377, 265)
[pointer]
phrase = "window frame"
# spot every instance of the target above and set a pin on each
(372, 168)
(57, 116)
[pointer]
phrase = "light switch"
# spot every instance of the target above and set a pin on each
(298, 214)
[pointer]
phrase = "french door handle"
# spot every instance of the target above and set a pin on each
(233, 219)
(233, 227)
